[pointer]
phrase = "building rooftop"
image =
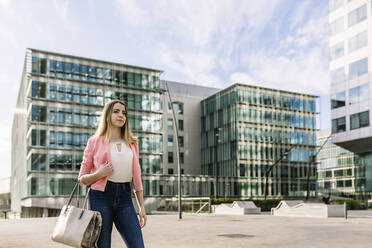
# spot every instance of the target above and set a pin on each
(189, 90)
(95, 60)
(263, 88)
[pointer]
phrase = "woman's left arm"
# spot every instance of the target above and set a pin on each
(142, 211)
(139, 189)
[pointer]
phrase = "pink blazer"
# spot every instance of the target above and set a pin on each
(98, 153)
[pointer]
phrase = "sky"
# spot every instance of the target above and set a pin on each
(281, 44)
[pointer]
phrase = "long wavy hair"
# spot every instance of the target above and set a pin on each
(105, 126)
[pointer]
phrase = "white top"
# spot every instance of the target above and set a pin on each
(122, 162)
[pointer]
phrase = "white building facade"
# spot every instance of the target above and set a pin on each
(350, 66)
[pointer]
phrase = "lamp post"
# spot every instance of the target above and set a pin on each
(178, 153)
(311, 161)
(271, 167)
(217, 137)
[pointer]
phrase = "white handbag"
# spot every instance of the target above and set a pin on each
(78, 227)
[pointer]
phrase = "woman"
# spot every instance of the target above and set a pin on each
(111, 166)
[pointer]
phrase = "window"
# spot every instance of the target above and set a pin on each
(39, 113)
(242, 170)
(38, 162)
(339, 125)
(358, 68)
(338, 100)
(336, 27)
(59, 66)
(358, 41)
(169, 108)
(156, 166)
(336, 51)
(37, 186)
(182, 158)
(170, 140)
(38, 137)
(327, 185)
(348, 183)
(38, 65)
(65, 186)
(155, 82)
(180, 125)
(180, 141)
(335, 4)
(170, 171)
(170, 157)
(339, 184)
(357, 15)
(155, 104)
(180, 108)
(358, 94)
(38, 89)
(170, 124)
(338, 75)
(339, 173)
(359, 120)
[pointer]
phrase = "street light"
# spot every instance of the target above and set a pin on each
(312, 160)
(177, 151)
(217, 137)
(271, 167)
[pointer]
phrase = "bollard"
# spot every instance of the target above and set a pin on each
(345, 210)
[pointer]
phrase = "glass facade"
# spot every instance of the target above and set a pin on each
(357, 15)
(338, 75)
(341, 172)
(358, 41)
(67, 96)
(358, 68)
(339, 125)
(358, 94)
(336, 27)
(336, 51)
(335, 4)
(359, 120)
(350, 79)
(246, 129)
(96, 74)
(338, 100)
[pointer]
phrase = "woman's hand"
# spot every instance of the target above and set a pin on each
(142, 217)
(105, 170)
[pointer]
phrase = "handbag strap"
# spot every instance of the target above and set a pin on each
(72, 194)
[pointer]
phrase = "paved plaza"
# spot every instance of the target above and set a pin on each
(224, 231)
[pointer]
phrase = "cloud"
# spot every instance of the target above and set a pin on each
(5, 141)
(314, 31)
(6, 8)
(201, 38)
(305, 72)
(300, 13)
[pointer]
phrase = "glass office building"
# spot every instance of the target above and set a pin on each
(336, 168)
(59, 103)
(340, 172)
(350, 36)
(58, 108)
(246, 129)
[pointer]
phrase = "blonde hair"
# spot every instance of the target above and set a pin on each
(105, 125)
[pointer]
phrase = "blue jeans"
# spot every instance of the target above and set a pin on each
(115, 205)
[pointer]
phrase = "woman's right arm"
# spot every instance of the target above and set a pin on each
(104, 171)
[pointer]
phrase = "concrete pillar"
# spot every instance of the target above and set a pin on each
(45, 212)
